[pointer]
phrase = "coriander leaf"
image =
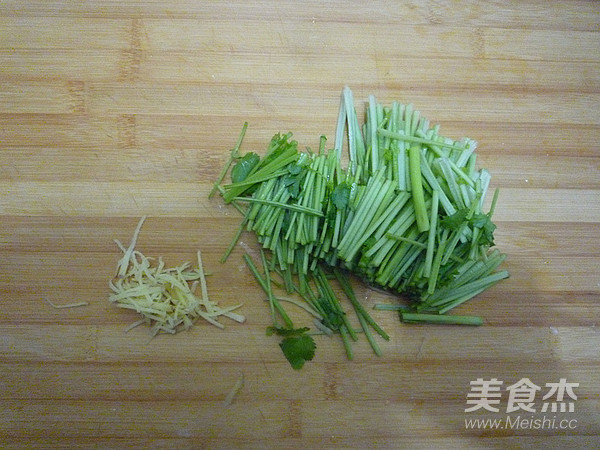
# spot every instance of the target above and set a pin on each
(481, 221)
(295, 169)
(330, 216)
(294, 179)
(454, 221)
(288, 180)
(292, 184)
(244, 166)
(341, 195)
(484, 222)
(298, 350)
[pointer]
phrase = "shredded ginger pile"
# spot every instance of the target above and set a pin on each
(165, 297)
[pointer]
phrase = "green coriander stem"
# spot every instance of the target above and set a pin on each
(432, 233)
(437, 263)
(267, 289)
(365, 326)
(397, 237)
(441, 319)
(347, 288)
(234, 241)
(390, 307)
(233, 155)
(415, 139)
(346, 341)
(235, 204)
(494, 201)
(416, 181)
(297, 208)
(254, 180)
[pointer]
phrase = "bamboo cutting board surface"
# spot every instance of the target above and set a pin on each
(114, 110)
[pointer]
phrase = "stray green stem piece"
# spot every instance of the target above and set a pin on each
(440, 319)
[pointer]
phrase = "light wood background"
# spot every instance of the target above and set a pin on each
(113, 110)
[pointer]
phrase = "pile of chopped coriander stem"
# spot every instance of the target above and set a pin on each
(405, 215)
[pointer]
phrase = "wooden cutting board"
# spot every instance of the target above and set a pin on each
(110, 111)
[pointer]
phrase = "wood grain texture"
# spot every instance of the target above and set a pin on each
(114, 110)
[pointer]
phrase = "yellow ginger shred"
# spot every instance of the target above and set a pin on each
(237, 387)
(165, 297)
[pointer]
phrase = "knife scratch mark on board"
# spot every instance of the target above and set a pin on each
(420, 350)
(262, 414)
(331, 381)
